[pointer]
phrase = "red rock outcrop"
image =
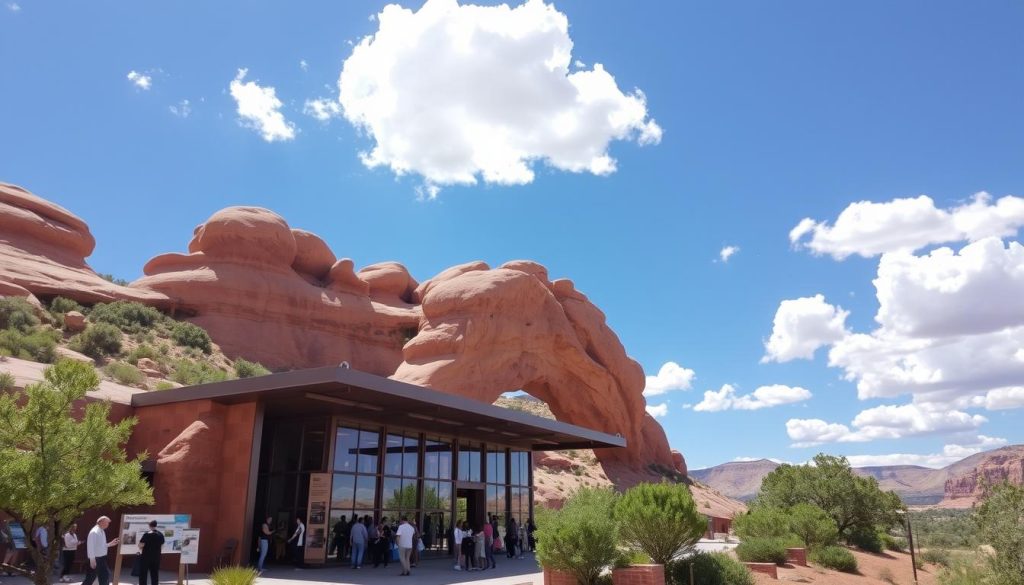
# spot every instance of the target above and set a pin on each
(279, 295)
(994, 469)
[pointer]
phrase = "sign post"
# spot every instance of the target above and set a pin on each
(133, 526)
(316, 518)
(189, 551)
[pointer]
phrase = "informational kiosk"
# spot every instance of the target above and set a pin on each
(133, 526)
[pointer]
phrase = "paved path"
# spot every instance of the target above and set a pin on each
(431, 572)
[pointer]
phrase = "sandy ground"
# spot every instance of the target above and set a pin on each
(872, 570)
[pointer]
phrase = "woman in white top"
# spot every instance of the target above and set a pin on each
(70, 547)
(457, 536)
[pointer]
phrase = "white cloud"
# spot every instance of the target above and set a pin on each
(670, 377)
(322, 109)
(182, 109)
(657, 411)
(303, 65)
(1004, 398)
(13, 7)
(884, 422)
(461, 93)
(803, 325)
(763, 397)
(727, 252)
(950, 454)
(868, 229)
(814, 431)
(141, 81)
(260, 109)
(579, 64)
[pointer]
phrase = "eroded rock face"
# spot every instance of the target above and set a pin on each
(995, 469)
(272, 293)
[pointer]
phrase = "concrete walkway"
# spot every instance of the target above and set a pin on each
(431, 572)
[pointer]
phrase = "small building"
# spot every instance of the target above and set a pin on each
(327, 443)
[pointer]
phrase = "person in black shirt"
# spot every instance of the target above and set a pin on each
(149, 549)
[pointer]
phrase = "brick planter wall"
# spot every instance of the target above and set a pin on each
(766, 568)
(796, 556)
(639, 575)
(556, 577)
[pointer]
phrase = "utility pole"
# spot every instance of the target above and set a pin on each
(910, 540)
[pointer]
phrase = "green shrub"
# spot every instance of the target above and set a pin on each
(762, 550)
(762, 522)
(98, 340)
(893, 543)
(130, 317)
(582, 537)
(936, 556)
(189, 335)
(163, 385)
(114, 279)
(999, 519)
(973, 572)
(247, 369)
(630, 557)
(37, 345)
(234, 576)
(865, 538)
(126, 374)
(835, 557)
(886, 575)
(708, 569)
(140, 352)
(61, 305)
(667, 506)
(190, 373)
(18, 314)
(812, 525)
(7, 381)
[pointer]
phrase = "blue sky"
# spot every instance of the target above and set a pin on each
(771, 112)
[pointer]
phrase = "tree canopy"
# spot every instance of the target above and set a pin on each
(54, 465)
(830, 484)
(660, 519)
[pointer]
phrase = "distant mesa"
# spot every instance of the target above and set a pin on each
(281, 296)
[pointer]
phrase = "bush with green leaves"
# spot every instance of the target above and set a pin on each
(866, 538)
(660, 519)
(708, 569)
(762, 522)
(128, 316)
(7, 382)
(834, 557)
(140, 352)
(164, 385)
(247, 369)
(189, 335)
(98, 340)
(1000, 520)
(18, 314)
(189, 373)
(61, 305)
(812, 525)
(37, 345)
(893, 543)
(582, 537)
(971, 572)
(234, 576)
(123, 373)
(763, 550)
(936, 556)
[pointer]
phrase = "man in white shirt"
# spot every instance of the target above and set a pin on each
(457, 536)
(96, 546)
(405, 533)
(298, 542)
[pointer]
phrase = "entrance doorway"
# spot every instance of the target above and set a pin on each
(470, 505)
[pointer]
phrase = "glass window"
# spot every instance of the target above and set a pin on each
(496, 466)
(519, 473)
(469, 462)
(343, 491)
(524, 469)
(393, 455)
(313, 447)
(411, 456)
(366, 489)
(492, 498)
(437, 459)
(515, 462)
(392, 493)
(369, 447)
(287, 444)
(346, 445)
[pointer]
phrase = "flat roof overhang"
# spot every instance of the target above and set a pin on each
(378, 400)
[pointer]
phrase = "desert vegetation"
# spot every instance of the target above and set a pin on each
(998, 523)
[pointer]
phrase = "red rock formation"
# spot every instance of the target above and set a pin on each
(279, 295)
(994, 469)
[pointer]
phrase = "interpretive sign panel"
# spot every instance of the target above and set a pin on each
(17, 535)
(133, 526)
(316, 519)
(189, 546)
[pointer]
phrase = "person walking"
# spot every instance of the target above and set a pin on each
(405, 534)
(358, 537)
(298, 543)
(489, 562)
(521, 541)
(338, 539)
(41, 540)
(264, 542)
(150, 546)
(457, 537)
(467, 547)
(373, 541)
(384, 543)
(67, 555)
(417, 544)
(96, 546)
(511, 532)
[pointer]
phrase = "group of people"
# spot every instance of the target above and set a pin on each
(476, 550)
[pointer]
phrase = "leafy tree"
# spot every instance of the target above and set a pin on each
(660, 519)
(54, 467)
(830, 484)
(582, 537)
(189, 335)
(1001, 524)
(812, 525)
(762, 522)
